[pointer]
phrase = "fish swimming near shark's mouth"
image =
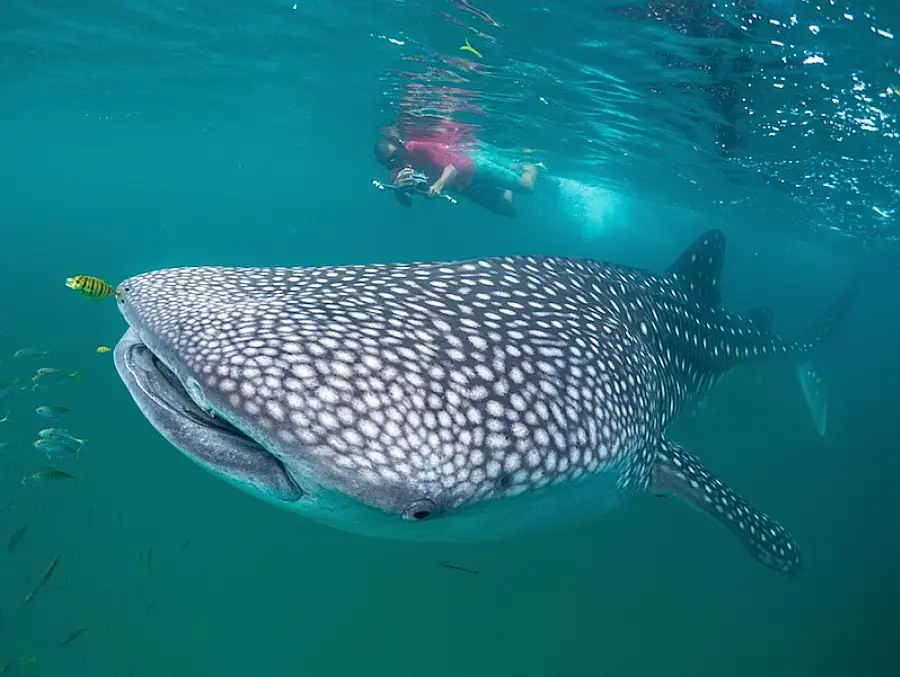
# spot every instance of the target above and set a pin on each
(453, 401)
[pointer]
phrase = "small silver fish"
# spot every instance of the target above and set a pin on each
(75, 634)
(56, 447)
(51, 411)
(48, 572)
(48, 475)
(5, 668)
(50, 376)
(61, 434)
(31, 352)
(17, 539)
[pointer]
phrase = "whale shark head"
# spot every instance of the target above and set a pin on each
(294, 385)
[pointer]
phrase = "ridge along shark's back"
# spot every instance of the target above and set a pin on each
(455, 401)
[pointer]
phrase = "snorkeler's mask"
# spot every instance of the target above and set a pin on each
(399, 158)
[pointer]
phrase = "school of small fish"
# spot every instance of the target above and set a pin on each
(56, 446)
(41, 397)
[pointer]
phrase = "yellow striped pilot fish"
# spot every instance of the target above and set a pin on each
(93, 287)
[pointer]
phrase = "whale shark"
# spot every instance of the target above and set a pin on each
(455, 401)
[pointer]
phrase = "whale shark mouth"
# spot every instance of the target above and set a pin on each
(208, 440)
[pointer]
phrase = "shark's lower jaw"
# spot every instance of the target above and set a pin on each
(209, 441)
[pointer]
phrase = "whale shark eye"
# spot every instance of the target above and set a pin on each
(420, 510)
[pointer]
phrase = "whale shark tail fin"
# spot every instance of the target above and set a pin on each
(812, 367)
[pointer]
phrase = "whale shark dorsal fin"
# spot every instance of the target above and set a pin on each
(699, 268)
(679, 473)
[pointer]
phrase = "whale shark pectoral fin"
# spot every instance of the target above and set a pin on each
(679, 473)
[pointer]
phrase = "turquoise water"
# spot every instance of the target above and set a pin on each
(138, 135)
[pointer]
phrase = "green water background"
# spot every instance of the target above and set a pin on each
(234, 586)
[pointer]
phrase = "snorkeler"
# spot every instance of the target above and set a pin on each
(477, 175)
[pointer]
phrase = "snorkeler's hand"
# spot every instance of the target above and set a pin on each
(435, 189)
(404, 178)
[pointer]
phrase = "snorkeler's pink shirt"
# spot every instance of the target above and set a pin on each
(431, 157)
